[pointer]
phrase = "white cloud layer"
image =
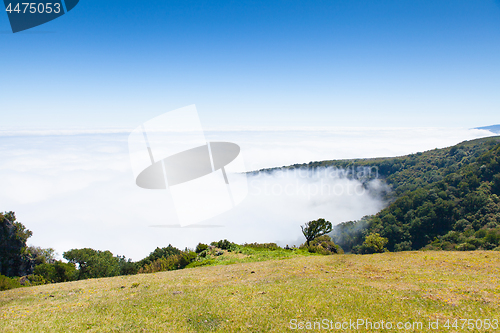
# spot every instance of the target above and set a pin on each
(77, 190)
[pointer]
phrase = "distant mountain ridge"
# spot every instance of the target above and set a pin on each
(492, 128)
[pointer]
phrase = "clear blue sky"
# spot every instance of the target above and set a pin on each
(111, 63)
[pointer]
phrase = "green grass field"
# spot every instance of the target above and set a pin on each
(265, 296)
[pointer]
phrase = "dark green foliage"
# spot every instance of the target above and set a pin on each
(495, 186)
(56, 272)
(201, 247)
(41, 255)
(373, 243)
(166, 259)
(127, 266)
(323, 245)
(349, 234)
(169, 263)
(403, 246)
(32, 280)
(444, 214)
(93, 263)
(263, 246)
(7, 283)
(316, 228)
(224, 245)
(408, 173)
(484, 239)
(15, 259)
(159, 253)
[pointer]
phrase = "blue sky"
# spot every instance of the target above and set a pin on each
(247, 63)
(277, 64)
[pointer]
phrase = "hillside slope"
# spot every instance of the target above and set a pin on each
(461, 211)
(447, 197)
(266, 296)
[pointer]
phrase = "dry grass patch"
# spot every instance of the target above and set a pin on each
(265, 296)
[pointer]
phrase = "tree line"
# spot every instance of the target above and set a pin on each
(454, 206)
(22, 265)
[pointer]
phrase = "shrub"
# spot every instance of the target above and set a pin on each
(41, 255)
(206, 262)
(127, 267)
(263, 246)
(224, 245)
(170, 263)
(32, 280)
(403, 246)
(374, 243)
(465, 247)
(7, 283)
(201, 247)
(322, 245)
(160, 265)
(493, 236)
(56, 272)
(159, 253)
(92, 263)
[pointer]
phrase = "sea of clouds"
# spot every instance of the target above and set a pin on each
(76, 189)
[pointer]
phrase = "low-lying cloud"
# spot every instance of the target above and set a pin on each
(79, 191)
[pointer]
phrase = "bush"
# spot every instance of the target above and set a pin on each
(92, 263)
(56, 272)
(493, 236)
(201, 247)
(41, 255)
(465, 247)
(263, 246)
(224, 245)
(170, 263)
(32, 280)
(322, 245)
(127, 267)
(206, 262)
(373, 243)
(160, 265)
(403, 246)
(203, 254)
(7, 283)
(159, 253)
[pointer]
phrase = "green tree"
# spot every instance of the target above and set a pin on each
(159, 253)
(323, 245)
(41, 255)
(224, 244)
(127, 266)
(374, 243)
(92, 263)
(201, 247)
(7, 283)
(15, 259)
(316, 228)
(57, 271)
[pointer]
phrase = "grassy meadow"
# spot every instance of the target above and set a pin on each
(265, 296)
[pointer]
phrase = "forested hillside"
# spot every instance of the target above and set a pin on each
(447, 199)
(442, 199)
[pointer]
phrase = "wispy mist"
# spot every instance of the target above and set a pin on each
(79, 191)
